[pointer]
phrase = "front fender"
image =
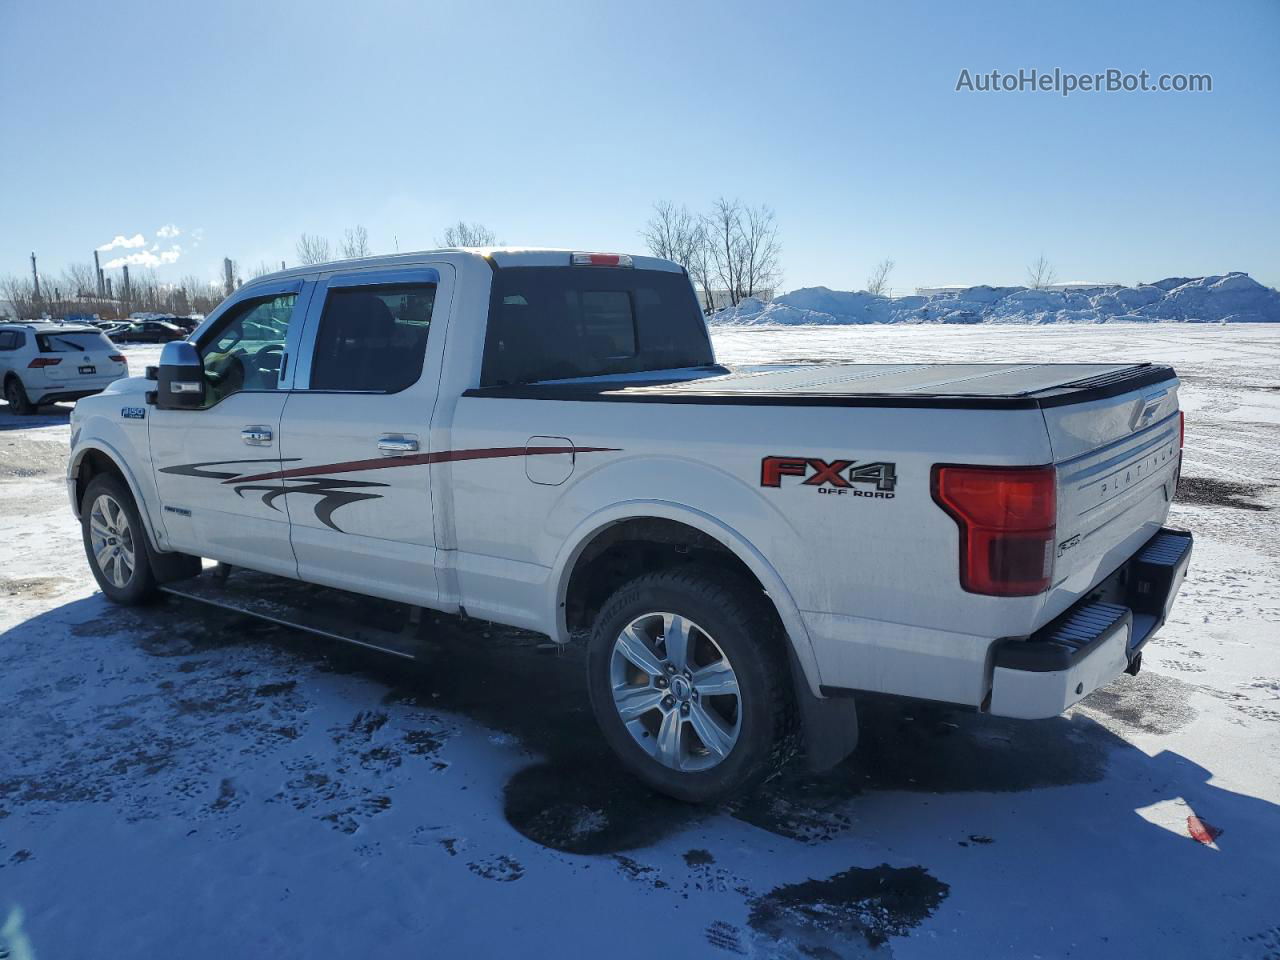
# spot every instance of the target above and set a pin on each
(142, 489)
(730, 538)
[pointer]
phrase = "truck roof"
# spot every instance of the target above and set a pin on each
(494, 256)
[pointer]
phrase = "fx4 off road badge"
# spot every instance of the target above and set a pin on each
(837, 477)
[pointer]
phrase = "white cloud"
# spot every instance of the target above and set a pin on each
(168, 232)
(137, 240)
(146, 258)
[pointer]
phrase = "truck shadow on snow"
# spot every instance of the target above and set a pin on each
(52, 415)
(574, 798)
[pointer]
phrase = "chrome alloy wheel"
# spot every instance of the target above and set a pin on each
(111, 539)
(675, 691)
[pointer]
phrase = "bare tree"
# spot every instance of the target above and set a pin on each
(673, 233)
(758, 252)
(463, 234)
(701, 269)
(878, 282)
(80, 281)
(1041, 273)
(743, 249)
(722, 226)
(21, 292)
(313, 249)
(355, 243)
(261, 270)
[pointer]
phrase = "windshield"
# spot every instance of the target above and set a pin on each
(551, 323)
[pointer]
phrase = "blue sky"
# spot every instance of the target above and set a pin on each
(245, 124)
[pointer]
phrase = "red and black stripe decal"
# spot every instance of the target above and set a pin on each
(414, 460)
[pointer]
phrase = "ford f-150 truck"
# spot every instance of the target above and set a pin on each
(544, 439)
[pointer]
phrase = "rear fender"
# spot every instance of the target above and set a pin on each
(788, 612)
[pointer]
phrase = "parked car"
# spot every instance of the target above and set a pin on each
(47, 362)
(148, 331)
(544, 439)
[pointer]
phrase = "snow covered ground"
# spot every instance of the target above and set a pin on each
(1232, 298)
(181, 782)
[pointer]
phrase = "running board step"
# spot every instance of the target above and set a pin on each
(382, 625)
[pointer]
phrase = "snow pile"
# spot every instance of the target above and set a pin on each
(1234, 298)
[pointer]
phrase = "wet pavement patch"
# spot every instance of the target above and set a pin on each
(921, 746)
(845, 914)
(273, 689)
(698, 858)
(1205, 492)
(1150, 702)
(501, 868)
(725, 936)
(591, 810)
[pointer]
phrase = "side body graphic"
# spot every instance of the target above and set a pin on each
(334, 492)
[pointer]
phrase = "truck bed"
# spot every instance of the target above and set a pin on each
(969, 385)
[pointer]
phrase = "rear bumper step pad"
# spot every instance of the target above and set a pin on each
(1096, 639)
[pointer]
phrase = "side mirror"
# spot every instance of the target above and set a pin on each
(180, 379)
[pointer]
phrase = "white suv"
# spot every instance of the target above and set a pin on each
(47, 362)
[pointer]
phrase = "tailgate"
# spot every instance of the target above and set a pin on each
(1117, 459)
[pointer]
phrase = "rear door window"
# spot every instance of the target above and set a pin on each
(552, 323)
(373, 338)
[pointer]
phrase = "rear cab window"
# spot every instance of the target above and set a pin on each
(556, 323)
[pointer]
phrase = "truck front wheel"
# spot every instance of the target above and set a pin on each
(115, 542)
(688, 680)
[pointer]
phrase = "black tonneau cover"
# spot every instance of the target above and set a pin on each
(968, 385)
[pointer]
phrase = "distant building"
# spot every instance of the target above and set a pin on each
(721, 298)
(1073, 285)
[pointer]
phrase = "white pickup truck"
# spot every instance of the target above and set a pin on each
(544, 439)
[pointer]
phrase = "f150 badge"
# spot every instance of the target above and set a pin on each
(837, 477)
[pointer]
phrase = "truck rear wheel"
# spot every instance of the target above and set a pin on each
(115, 542)
(689, 683)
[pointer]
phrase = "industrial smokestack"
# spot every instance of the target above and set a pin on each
(35, 276)
(97, 272)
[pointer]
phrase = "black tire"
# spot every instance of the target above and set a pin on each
(139, 585)
(742, 624)
(15, 394)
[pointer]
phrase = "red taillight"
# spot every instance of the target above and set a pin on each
(117, 358)
(44, 362)
(1007, 518)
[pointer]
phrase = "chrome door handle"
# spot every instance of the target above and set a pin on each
(389, 443)
(256, 436)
